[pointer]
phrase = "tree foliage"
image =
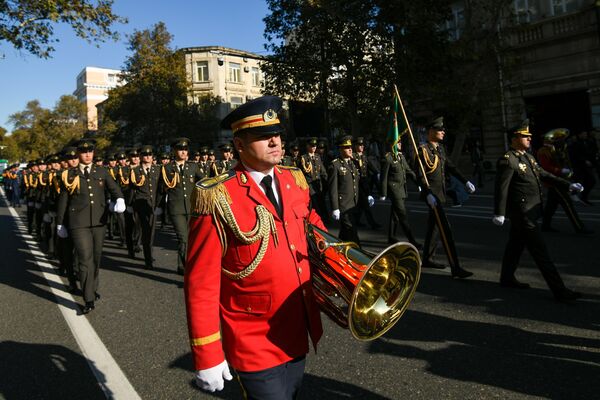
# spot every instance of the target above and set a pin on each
(29, 25)
(154, 105)
(39, 131)
(346, 55)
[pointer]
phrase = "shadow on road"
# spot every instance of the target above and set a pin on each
(532, 304)
(313, 387)
(57, 373)
(537, 364)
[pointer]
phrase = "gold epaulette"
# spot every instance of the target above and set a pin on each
(207, 191)
(298, 176)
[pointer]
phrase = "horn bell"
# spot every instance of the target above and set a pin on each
(364, 292)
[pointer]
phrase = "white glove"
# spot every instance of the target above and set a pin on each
(336, 215)
(111, 206)
(62, 232)
(46, 218)
(576, 187)
(470, 187)
(119, 205)
(498, 220)
(371, 201)
(431, 200)
(158, 211)
(382, 198)
(565, 171)
(213, 379)
(38, 205)
(378, 177)
(419, 188)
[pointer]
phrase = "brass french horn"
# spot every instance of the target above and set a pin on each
(366, 293)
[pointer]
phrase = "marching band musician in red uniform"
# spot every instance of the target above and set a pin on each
(249, 296)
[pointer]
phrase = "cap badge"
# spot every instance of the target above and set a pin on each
(269, 115)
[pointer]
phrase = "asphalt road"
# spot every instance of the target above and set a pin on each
(459, 339)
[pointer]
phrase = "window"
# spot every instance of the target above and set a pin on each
(112, 78)
(202, 71)
(255, 76)
(522, 11)
(235, 72)
(236, 101)
(564, 6)
(456, 23)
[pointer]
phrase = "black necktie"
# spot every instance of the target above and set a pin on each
(86, 172)
(267, 183)
(181, 168)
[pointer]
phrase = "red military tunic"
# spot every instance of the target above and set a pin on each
(264, 319)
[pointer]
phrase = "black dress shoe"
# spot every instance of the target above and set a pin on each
(566, 295)
(89, 306)
(149, 266)
(461, 273)
(97, 297)
(433, 264)
(180, 271)
(131, 255)
(513, 283)
(137, 249)
(72, 288)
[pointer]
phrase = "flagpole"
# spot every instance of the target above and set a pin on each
(412, 139)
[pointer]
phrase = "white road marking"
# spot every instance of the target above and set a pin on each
(109, 375)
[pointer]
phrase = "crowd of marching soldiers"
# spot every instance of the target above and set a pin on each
(157, 187)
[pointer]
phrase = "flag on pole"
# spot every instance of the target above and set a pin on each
(396, 130)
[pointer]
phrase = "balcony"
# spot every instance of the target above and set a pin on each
(553, 28)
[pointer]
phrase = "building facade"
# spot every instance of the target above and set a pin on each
(549, 69)
(234, 76)
(93, 84)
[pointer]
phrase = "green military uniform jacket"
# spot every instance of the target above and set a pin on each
(204, 168)
(82, 201)
(437, 164)
(393, 177)
(144, 187)
(177, 186)
(518, 188)
(314, 171)
(343, 184)
(221, 166)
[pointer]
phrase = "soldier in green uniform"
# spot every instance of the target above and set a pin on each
(226, 163)
(395, 170)
(365, 199)
(145, 199)
(82, 203)
(295, 155)
(99, 160)
(286, 160)
(314, 172)
(65, 250)
(343, 190)
(50, 202)
(118, 174)
(204, 165)
(197, 156)
(132, 223)
(39, 194)
(437, 165)
(322, 152)
(178, 179)
(518, 196)
(30, 180)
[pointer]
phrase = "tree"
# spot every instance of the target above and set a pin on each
(39, 132)
(29, 25)
(346, 55)
(153, 106)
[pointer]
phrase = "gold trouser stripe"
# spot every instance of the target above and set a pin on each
(203, 341)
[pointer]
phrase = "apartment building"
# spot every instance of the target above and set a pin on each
(93, 84)
(232, 75)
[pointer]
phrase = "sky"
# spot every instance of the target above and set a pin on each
(24, 77)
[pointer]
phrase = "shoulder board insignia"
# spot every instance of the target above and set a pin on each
(208, 183)
(298, 176)
(208, 192)
(507, 156)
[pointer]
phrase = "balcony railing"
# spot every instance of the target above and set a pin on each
(552, 28)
